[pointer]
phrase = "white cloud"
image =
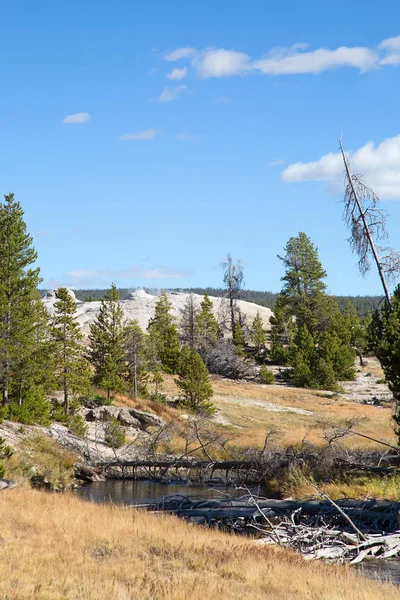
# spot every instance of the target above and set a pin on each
(391, 47)
(275, 163)
(170, 94)
(296, 59)
(177, 74)
(133, 272)
(379, 163)
(218, 62)
(180, 53)
(293, 60)
(77, 118)
(148, 134)
(392, 43)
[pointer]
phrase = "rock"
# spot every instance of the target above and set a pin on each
(146, 419)
(127, 419)
(103, 413)
(7, 483)
(87, 473)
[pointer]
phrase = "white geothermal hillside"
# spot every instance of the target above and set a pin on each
(140, 306)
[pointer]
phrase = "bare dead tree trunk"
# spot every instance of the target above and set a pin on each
(366, 227)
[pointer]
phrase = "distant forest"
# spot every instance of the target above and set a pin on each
(362, 304)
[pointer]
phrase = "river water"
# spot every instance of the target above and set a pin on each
(145, 492)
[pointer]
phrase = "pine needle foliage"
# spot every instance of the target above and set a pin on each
(164, 335)
(71, 368)
(107, 341)
(194, 381)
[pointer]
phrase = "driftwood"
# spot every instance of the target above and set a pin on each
(235, 471)
(345, 530)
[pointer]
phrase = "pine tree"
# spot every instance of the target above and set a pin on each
(19, 298)
(193, 381)
(107, 339)
(135, 353)
(384, 341)
(258, 335)
(188, 322)
(308, 330)
(164, 335)
(206, 324)
(238, 337)
(70, 365)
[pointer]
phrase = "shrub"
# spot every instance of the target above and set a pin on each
(35, 408)
(266, 376)
(114, 434)
(77, 425)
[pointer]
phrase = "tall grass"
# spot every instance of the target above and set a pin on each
(57, 547)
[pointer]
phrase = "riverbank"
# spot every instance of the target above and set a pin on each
(57, 546)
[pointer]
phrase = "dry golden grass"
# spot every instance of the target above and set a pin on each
(57, 547)
(244, 406)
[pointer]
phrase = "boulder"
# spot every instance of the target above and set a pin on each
(146, 419)
(103, 413)
(127, 419)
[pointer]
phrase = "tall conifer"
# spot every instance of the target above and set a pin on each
(107, 352)
(70, 365)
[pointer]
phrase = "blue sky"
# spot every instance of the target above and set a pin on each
(146, 139)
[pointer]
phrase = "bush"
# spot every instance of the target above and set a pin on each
(35, 408)
(77, 425)
(114, 434)
(94, 400)
(266, 376)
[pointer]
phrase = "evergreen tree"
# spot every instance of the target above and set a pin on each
(188, 322)
(107, 338)
(135, 353)
(308, 330)
(193, 381)
(384, 341)
(238, 338)
(70, 365)
(164, 335)
(19, 301)
(206, 324)
(258, 335)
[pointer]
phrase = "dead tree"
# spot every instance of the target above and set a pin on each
(234, 282)
(367, 224)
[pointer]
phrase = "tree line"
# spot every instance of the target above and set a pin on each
(310, 338)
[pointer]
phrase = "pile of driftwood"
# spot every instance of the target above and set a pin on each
(346, 530)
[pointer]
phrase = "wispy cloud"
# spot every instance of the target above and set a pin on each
(147, 134)
(293, 60)
(380, 163)
(134, 272)
(170, 94)
(180, 53)
(275, 163)
(77, 118)
(177, 74)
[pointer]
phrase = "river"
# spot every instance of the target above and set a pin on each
(132, 492)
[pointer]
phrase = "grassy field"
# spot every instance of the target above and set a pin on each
(247, 411)
(57, 547)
